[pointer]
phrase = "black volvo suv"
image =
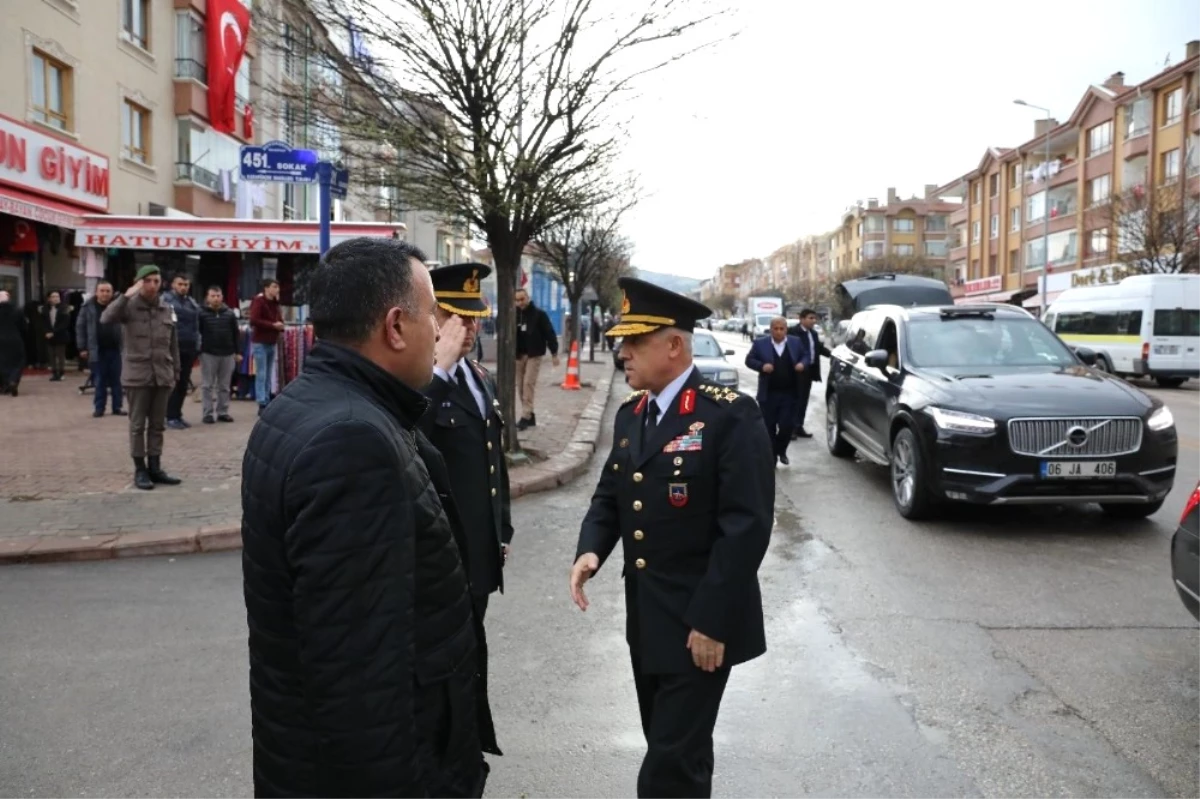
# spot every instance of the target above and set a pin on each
(984, 404)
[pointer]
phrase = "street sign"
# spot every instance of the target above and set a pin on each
(340, 184)
(276, 162)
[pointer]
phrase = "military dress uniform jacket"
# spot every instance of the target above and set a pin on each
(471, 446)
(693, 506)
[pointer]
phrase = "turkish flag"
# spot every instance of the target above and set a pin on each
(18, 237)
(228, 27)
(248, 122)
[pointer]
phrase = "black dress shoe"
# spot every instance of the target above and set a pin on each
(803, 434)
(224, 418)
(784, 460)
(97, 414)
(120, 413)
(141, 479)
(208, 420)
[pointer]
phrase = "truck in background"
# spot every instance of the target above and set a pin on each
(760, 311)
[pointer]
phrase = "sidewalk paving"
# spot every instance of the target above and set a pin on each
(66, 489)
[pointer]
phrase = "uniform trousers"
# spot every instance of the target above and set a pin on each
(147, 419)
(679, 712)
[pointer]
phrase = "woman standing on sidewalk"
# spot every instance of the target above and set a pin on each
(12, 345)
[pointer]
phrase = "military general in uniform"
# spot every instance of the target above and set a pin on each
(689, 491)
(464, 423)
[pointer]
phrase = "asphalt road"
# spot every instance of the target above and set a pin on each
(1017, 654)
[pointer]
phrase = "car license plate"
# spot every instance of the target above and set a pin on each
(1079, 469)
(1166, 349)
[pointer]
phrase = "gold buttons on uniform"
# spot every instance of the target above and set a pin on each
(678, 460)
(637, 504)
(637, 477)
(489, 445)
(616, 467)
(491, 470)
(638, 535)
(493, 492)
(640, 563)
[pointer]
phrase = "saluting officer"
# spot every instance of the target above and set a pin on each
(689, 491)
(464, 423)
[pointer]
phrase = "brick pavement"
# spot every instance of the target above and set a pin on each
(66, 477)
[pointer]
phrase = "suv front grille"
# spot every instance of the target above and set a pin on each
(1052, 438)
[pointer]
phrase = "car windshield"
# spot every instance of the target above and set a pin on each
(705, 347)
(979, 341)
(764, 319)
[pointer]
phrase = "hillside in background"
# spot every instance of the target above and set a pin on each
(680, 285)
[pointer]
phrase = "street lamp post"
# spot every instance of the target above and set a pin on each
(1045, 205)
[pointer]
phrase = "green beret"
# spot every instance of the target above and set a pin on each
(146, 271)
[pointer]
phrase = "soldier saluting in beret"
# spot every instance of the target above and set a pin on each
(689, 490)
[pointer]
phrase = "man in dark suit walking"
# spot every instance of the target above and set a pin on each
(464, 424)
(688, 491)
(780, 362)
(813, 349)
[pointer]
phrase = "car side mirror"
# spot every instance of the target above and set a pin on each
(1088, 356)
(876, 359)
(730, 352)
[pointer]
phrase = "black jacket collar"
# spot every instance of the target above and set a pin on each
(406, 404)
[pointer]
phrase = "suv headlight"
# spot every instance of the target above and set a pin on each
(727, 375)
(1161, 419)
(960, 422)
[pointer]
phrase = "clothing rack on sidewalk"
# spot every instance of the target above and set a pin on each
(292, 348)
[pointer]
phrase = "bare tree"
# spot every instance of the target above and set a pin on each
(501, 114)
(582, 251)
(1157, 231)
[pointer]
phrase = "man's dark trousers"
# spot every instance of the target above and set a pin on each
(106, 377)
(779, 411)
(804, 383)
(187, 357)
(679, 712)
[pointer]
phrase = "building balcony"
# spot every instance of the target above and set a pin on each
(958, 253)
(960, 216)
(191, 95)
(1065, 221)
(198, 192)
(1139, 145)
(1067, 172)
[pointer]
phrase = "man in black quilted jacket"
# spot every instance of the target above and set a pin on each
(363, 654)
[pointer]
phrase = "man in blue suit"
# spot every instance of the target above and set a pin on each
(813, 349)
(780, 361)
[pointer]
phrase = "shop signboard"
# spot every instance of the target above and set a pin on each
(42, 163)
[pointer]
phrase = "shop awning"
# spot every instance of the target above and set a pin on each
(15, 202)
(1035, 301)
(195, 234)
(999, 296)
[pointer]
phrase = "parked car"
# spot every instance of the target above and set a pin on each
(1185, 555)
(706, 354)
(984, 404)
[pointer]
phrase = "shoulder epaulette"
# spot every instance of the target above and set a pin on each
(718, 394)
(635, 395)
(479, 368)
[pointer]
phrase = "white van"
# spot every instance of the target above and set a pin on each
(1145, 326)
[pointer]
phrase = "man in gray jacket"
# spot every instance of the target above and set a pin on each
(100, 344)
(149, 371)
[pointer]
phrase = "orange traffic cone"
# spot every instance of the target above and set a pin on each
(571, 383)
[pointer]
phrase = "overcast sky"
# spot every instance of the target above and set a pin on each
(818, 104)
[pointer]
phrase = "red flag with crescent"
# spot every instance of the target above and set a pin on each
(228, 28)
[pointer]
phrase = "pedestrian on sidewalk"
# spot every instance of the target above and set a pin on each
(58, 334)
(100, 343)
(187, 325)
(12, 344)
(266, 320)
(149, 371)
(813, 348)
(535, 335)
(780, 361)
(689, 492)
(218, 355)
(363, 653)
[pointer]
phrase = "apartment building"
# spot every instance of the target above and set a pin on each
(1019, 203)
(109, 160)
(915, 227)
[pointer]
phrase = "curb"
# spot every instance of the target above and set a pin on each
(558, 470)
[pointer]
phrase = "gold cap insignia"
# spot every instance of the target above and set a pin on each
(624, 303)
(471, 284)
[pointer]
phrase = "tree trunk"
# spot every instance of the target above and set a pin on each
(508, 266)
